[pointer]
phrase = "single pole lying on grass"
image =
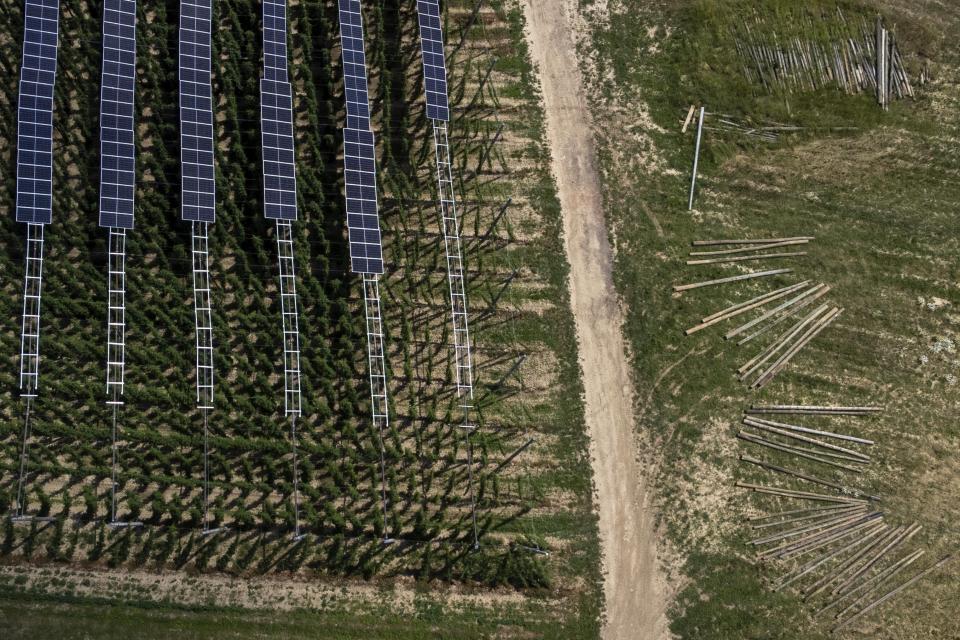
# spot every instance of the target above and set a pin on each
(696, 158)
(746, 276)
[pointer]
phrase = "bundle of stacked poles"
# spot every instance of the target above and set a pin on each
(831, 540)
(769, 131)
(823, 51)
(797, 302)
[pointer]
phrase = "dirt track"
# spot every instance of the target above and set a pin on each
(633, 589)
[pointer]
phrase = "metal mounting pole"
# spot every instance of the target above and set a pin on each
(291, 350)
(203, 323)
(378, 381)
(29, 354)
(696, 158)
(463, 357)
(116, 354)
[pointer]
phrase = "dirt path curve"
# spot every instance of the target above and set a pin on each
(633, 588)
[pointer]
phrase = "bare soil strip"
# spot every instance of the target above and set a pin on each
(634, 591)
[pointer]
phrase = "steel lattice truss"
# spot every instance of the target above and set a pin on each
(435, 87)
(363, 216)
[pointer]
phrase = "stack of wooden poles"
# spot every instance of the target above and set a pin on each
(826, 50)
(829, 538)
(797, 302)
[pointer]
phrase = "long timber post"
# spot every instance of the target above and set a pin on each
(376, 359)
(29, 354)
(463, 356)
(291, 350)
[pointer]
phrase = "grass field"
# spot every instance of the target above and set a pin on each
(881, 201)
(527, 383)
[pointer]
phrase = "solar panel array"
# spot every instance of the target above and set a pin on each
(363, 220)
(35, 112)
(434, 63)
(198, 193)
(276, 117)
(359, 159)
(354, 65)
(117, 164)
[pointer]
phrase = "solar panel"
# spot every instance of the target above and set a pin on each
(363, 219)
(35, 112)
(117, 164)
(276, 117)
(275, 40)
(354, 65)
(434, 63)
(198, 193)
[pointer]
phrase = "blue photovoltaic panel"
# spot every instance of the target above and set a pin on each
(363, 219)
(434, 63)
(275, 40)
(117, 168)
(276, 117)
(35, 112)
(354, 65)
(198, 194)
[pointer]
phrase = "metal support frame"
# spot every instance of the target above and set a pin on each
(29, 354)
(30, 334)
(463, 356)
(291, 350)
(203, 318)
(203, 323)
(288, 307)
(116, 353)
(376, 358)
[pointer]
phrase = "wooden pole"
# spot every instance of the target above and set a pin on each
(746, 276)
(742, 308)
(686, 123)
(782, 514)
(816, 432)
(875, 580)
(826, 525)
(845, 566)
(783, 340)
(800, 453)
(815, 564)
(811, 516)
(800, 495)
(812, 333)
(753, 247)
(779, 293)
(786, 316)
(796, 408)
(876, 603)
(710, 243)
(696, 158)
(846, 585)
(772, 312)
(875, 521)
(764, 256)
(753, 422)
(802, 476)
(821, 538)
